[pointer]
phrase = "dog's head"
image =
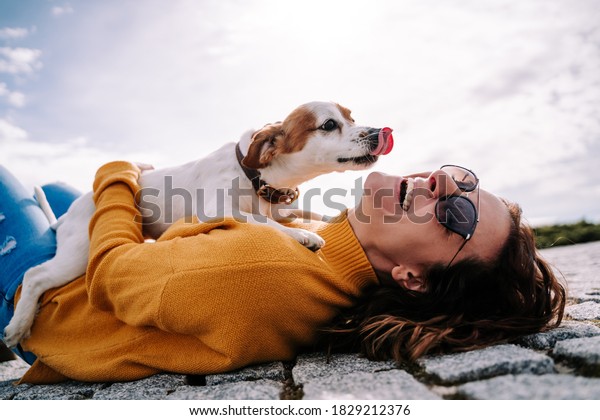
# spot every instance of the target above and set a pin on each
(316, 138)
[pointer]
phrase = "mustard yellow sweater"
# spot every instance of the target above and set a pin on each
(204, 298)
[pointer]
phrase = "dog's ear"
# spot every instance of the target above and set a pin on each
(263, 146)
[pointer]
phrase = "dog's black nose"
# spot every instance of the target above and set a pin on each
(372, 136)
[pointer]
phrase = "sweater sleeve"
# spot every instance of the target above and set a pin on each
(124, 274)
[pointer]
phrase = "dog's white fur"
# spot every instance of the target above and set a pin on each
(287, 154)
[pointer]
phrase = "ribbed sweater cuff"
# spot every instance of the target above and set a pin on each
(118, 171)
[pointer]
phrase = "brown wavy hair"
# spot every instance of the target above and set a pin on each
(466, 306)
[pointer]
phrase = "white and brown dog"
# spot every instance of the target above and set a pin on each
(316, 138)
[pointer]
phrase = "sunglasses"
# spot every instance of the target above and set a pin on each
(457, 213)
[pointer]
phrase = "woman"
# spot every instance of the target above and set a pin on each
(468, 270)
(212, 297)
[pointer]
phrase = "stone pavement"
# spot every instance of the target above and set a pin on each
(560, 364)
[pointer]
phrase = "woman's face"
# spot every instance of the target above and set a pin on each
(404, 239)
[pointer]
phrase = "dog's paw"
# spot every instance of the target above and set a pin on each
(15, 332)
(310, 240)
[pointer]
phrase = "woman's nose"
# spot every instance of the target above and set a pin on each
(442, 184)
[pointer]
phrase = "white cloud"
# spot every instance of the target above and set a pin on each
(19, 60)
(13, 33)
(73, 161)
(10, 133)
(16, 99)
(58, 11)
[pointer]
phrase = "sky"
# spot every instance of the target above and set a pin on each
(510, 89)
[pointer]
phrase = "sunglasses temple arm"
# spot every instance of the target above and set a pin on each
(457, 252)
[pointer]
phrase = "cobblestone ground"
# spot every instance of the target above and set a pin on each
(560, 364)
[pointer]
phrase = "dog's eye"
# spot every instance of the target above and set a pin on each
(329, 125)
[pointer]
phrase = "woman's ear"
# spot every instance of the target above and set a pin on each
(407, 278)
(263, 146)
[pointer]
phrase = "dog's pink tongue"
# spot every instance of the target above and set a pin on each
(385, 142)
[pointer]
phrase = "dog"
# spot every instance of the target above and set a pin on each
(314, 139)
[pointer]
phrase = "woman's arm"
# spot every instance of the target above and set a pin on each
(122, 273)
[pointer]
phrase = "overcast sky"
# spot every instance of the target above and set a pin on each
(510, 89)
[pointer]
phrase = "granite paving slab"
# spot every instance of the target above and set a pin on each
(584, 311)
(156, 387)
(567, 330)
(532, 387)
(387, 385)
(262, 389)
(478, 364)
(317, 365)
(8, 390)
(580, 266)
(13, 370)
(64, 391)
(584, 353)
(273, 371)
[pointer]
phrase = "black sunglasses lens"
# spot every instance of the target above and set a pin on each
(457, 214)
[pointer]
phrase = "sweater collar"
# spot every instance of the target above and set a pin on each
(344, 253)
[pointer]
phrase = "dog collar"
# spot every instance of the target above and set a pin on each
(264, 190)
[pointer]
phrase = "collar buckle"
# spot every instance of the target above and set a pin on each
(264, 190)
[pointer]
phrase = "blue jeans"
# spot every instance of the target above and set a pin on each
(26, 239)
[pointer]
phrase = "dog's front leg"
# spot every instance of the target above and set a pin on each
(309, 239)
